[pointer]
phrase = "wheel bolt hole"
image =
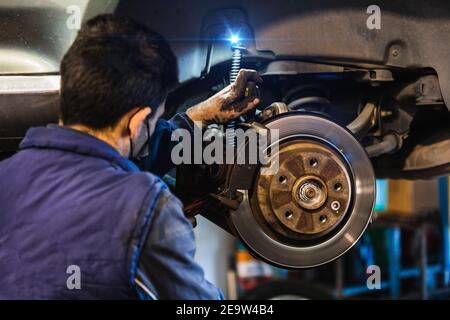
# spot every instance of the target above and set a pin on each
(338, 187)
(289, 214)
(313, 162)
(335, 205)
(282, 179)
(323, 219)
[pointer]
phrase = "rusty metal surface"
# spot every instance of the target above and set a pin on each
(300, 196)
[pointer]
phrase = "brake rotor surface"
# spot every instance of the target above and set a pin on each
(310, 192)
(319, 201)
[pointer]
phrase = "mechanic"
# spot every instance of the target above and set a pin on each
(71, 199)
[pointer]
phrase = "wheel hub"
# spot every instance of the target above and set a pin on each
(311, 177)
(310, 194)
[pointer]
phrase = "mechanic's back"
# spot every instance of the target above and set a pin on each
(77, 218)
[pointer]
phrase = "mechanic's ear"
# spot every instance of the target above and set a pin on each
(137, 120)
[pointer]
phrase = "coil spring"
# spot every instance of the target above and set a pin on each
(235, 64)
(235, 67)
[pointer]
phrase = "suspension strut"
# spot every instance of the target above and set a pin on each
(235, 67)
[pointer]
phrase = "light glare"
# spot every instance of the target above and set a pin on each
(234, 39)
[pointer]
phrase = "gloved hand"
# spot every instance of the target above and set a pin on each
(227, 104)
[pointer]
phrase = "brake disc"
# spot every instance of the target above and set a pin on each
(317, 204)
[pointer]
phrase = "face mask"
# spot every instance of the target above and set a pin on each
(139, 146)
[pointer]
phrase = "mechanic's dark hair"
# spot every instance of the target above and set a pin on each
(114, 65)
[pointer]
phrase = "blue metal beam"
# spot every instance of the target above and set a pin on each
(393, 236)
(445, 212)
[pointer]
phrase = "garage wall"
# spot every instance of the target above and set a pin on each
(214, 248)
